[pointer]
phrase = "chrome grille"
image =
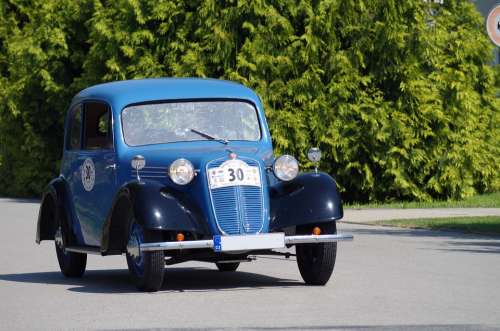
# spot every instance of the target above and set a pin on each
(237, 209)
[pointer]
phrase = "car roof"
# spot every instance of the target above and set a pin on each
(119, 94)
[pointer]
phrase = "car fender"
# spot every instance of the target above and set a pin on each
(51, 208)
(310, 198)
(156, 207)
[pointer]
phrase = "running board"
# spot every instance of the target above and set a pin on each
(84, 250)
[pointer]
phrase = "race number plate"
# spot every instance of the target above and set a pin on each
(233, 173)
(249, 242)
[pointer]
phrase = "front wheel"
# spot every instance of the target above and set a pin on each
(316, 261)
(146, 268)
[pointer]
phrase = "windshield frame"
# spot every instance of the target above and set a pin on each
(167, 101)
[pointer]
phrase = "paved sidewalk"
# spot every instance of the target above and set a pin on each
(383, 214)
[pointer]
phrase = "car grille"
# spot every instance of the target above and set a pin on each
(237, 209)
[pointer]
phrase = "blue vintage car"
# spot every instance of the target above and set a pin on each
(172, 170)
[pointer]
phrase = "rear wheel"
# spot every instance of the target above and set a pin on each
(316, 261)
(228, 266)
(71, 264)
(146, 268)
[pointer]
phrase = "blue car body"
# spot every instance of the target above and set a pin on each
(97, 187)
(93, 208)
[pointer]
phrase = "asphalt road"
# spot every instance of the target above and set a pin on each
(387, 279)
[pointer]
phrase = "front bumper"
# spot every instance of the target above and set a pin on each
(245, 242)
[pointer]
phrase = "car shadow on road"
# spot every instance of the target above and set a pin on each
(176, 280)
(473, 246)
(452, 241)
(390, 230)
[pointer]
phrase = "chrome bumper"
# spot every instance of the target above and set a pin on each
(287, 240)
(313, 239)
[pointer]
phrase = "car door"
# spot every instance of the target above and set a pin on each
(70, 166)
(93, 182)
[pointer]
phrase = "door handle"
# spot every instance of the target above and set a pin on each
(111, 166)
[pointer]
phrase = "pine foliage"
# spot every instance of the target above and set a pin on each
(399, 95)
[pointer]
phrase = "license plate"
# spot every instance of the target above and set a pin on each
(249, 242)
(233, 173)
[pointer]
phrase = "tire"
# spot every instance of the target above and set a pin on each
(146, 268)
(227, 266)
(316, 261)
(71, 264)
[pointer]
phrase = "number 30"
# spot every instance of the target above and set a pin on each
(239, 174)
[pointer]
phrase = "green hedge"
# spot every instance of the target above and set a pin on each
(399, 95)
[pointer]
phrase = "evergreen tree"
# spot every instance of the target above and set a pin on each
(399, 95)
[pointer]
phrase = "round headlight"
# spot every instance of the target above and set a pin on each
(181, 171)
(286, 167)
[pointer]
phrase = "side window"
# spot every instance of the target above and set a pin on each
(97, 126)
(75, 126)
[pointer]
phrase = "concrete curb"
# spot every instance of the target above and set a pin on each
(366, 216)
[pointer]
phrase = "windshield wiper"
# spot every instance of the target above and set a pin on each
(209, 137)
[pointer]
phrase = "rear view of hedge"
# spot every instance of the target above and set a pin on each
(399, 95)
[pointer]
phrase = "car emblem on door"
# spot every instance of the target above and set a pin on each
(88, 174)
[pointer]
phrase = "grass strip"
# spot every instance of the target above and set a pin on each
(488, 225)
(490, 200)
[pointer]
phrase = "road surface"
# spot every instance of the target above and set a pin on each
(386, 279)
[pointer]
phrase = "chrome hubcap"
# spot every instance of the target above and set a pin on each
(133, 246)
(58, 238)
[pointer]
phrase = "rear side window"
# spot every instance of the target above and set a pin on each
(97, 126)
(75, 127)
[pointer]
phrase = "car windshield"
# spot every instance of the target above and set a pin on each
(184, 121)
